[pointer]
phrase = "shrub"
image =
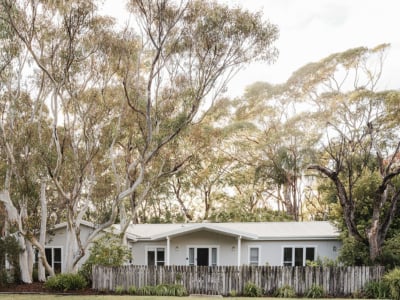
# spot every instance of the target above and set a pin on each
(4, 278)
(106, 251)
(285, 291)
(252, 290)
(324, 262)
(132, 290)
(119, 290)
(146, 290)
(376, 290)
(233, 293)
(10, 248)
(162, 290)
(392, 279)
(316, 291)
(169, 290)
(66, 282)
(178, 290)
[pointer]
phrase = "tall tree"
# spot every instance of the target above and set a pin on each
(360, 139)
(190, 50)
(160, 80)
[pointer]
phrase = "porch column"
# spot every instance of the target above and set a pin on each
(239, 248)
(168, 251)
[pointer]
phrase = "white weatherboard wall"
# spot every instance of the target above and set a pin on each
(179, 247)
(58, 240)
(271, 252)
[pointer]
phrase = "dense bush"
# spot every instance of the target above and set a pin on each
(392, 279)
(316, 291)
(146, 290)
(376, 290)
(66, 282)
(285, 291)
(9, 248)
(252, 290)
(120, 290)
(132, 290)
(106, 251)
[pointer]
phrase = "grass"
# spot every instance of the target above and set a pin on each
(109, 297)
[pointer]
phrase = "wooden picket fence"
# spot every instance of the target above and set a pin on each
(222, 280)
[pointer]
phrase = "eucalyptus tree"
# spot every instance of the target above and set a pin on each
(274, 147)
(125, 96)
(63, 42)
(361, 137)
(189, 50)
(22, 112)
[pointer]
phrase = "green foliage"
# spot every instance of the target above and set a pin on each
(9, 248)
(233, 293)
(132, 290)
(178, 276)
(146, 290)
(119, 290)
(324, 262)
(285, 291)
(252, 290)
(376, 290)
(316, 291)
(392, 279)
(106, 251)
(4, 278)
(390, 256)
(159, 290)
(66, 282)
(354, 253)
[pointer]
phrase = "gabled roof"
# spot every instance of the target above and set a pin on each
(113, 229)
(252, 230)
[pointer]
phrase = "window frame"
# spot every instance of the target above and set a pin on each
(53, 262)
(254, 263)
(293, 254)
(211, 262)
(156, 258)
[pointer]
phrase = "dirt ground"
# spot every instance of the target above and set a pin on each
(38, 287)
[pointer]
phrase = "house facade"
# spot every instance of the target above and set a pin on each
(218, 244)
(234, 244)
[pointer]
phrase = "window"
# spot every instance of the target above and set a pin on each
(202, 256)
(156, 256)
(53, 256)
(254, 256)
(191, 256)
(213, 256)
(298, 256)
(287, 256)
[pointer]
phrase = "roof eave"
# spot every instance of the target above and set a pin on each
(189, 230)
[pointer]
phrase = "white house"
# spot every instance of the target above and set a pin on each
(218, 244)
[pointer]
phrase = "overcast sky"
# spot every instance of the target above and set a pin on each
(313, 29)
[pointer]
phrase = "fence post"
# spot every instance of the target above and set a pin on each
(336, 281)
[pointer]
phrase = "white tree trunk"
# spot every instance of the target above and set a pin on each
(14, 218)
(31, 256)
(43, 229)
(71, 248)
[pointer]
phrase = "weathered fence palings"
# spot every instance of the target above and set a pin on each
(336, 281)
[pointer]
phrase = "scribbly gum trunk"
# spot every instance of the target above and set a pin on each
(374, 241)
(43, 228)
(71, 248)
(15, 218)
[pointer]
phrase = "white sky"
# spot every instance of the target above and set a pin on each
(313, 29)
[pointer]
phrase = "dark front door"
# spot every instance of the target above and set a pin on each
(202, 256)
